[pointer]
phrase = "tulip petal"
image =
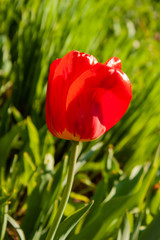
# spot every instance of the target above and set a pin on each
(84, 117)
(53, 67)
(114, 62)
(85, 98)
(73, 64)
(69, 68)
(98, 99)
(48, 108)
(87, 118)
(115, 101)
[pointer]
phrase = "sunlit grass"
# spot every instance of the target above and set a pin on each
(33, 163)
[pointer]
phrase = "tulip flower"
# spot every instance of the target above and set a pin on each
(85, 98)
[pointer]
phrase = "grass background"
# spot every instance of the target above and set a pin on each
(120, 171)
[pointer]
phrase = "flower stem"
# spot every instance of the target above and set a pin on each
(66, 194)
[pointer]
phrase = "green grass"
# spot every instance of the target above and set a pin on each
(119, 171)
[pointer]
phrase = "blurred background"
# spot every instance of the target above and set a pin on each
(33, 163)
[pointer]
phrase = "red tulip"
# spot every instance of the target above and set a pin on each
(85, 98)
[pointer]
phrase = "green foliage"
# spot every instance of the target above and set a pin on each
(119, 171)
(66, 226)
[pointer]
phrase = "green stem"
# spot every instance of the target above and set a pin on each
(66, 194)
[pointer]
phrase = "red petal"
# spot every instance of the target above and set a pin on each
(97, 76)
(53, 67)
(115, 101)
(85, 98)
(69, 68)
(73, 64)
(48, 108)
(114, 62)
(84, 117)
(96, 101)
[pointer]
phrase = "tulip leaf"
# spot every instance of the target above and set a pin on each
(125, 196)
(3, 200)
(83, 158)
(97, 198)
(33, 140)
(152, 232)
(3, 221)
(135, 234)
(17, 227)
(69, 223)
(42, 196)
(108, 213)
(124, 233)
(6, 144)
(17, 115)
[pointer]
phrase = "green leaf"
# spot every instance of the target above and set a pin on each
(3, 200)
(136, 230)
(69, 223)
(152, 232)
(98, 198)
(150, 175)
(34, 141)
(83, 158)
(28, 177)
(107, 213)
(43, 196)
(6, 144)
(130, 184)
(155, 202)
(3, 221)
(48, 144)
(125, 231)
(16, 227)
(17, 115)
